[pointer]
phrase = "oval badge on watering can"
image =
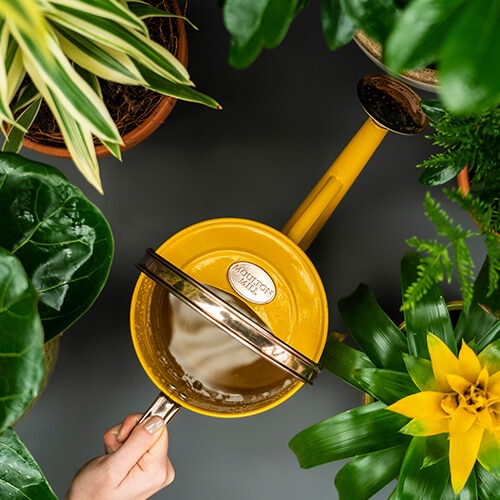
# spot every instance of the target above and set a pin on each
(251, 282)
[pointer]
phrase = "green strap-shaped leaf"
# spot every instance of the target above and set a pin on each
(416, 481)
(21, 340)
(364, 475)
(343, 361)
(380, 339)
(488, 485)
(62, 239)
(356, 432)
(387, 386)
(484, 311)
(429, 314)
(420, 371)
(22, 478)
(490, 356)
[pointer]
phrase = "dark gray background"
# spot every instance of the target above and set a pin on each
(285, 119)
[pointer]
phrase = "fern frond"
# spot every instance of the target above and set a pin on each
(492, 243)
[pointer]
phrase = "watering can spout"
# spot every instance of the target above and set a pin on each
(391, 106)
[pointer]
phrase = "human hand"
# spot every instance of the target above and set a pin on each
(135, 466)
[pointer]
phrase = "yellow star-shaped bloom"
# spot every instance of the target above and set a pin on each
(466, 405)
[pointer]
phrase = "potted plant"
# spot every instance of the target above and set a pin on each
(59, 52)
(470, 152)
(56, 249)
(459, 38)
(433, 420)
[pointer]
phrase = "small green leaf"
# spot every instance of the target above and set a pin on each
(433, 108)
(490, 355)
(489, 453)
(356, 432)
(364, 475)
(373, 330)
(337, 26)
(417, 482)
(22, 478)
(22, 358)
(436, 449)
(62, 239)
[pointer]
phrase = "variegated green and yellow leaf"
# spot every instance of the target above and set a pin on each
(104, 62)
(136, 45)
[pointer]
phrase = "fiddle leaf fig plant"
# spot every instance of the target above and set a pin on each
(60, 51)
(62, 239)
(56, 250)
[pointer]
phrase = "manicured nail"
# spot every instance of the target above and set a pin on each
(154, 424)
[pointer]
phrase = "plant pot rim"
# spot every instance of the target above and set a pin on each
(142, 131)
(424, 79)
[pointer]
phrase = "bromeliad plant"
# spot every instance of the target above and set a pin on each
(58, 49)
(56, 249)
(434, 423)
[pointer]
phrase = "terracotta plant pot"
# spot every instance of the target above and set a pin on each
(425, 79)
(140, 122)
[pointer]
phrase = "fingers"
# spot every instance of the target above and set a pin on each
(117, 435)
(139, 441)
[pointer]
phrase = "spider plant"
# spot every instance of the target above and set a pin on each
(57, 50)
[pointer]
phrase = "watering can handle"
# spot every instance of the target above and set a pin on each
(320, 203)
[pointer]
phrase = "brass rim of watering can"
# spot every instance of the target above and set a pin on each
(228, 318)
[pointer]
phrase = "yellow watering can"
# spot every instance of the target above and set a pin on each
(229, 317)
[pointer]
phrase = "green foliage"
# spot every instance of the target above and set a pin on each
(62, 48)
(459, 37)
(377, 449)
(56, 250)
(21, 476)
(472, 141)
(440, 259)
(62, 239)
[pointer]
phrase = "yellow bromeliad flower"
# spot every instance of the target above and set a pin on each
(463, 400)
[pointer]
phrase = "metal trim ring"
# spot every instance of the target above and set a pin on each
(227, 318)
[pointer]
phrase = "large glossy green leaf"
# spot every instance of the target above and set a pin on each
(380, 339)
(428, 21)
(62, 239)
(22, 362)
(337, 25)
(416, 481)
(470, 59)
(364, 475)
(344, 361)
(429, 314)
(355, 432)
(21, 476)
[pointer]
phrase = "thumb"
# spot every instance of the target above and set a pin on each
(140, 440)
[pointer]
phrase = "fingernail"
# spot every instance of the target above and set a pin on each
(154, 424)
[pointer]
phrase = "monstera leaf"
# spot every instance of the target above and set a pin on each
(63, 240)
(22, 363)
(21, 476)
